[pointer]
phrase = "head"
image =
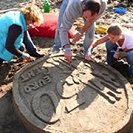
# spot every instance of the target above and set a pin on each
(32, 14)
(91, 9)
(114, 33)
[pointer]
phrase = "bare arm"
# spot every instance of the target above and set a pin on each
(100, 41)
(86, 26)
(93, 45)
(78, 35)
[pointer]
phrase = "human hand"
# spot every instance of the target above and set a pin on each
(26, 57)
(88, 54)
(116, 55)
(68, 54)
(76, 37)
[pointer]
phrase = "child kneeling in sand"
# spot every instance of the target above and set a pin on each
(119, 44)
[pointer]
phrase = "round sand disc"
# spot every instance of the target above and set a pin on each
(82, 97)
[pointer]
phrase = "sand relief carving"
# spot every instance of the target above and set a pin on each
(46, 106)
(31, 73)
(56, 92)
(35, 71)
(96, 80)
(37, 84)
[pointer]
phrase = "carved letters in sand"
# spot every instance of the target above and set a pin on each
(51, 95)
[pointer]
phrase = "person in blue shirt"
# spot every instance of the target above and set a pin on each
(14, 36)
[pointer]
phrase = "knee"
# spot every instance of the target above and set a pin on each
(110, 46)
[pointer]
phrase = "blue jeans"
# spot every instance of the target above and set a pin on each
(111, 48)
(89, 34)
(57, 42)
(130, 61)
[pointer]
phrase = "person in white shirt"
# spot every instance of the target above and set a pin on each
(119, 44)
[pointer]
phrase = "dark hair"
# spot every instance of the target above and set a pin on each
(114, 30)
(91, 5)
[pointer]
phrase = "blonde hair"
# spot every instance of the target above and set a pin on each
(114, 29)
(32, 13)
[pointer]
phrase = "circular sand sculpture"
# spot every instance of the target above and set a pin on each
(51, 95)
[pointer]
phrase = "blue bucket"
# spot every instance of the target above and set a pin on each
(120, 10)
